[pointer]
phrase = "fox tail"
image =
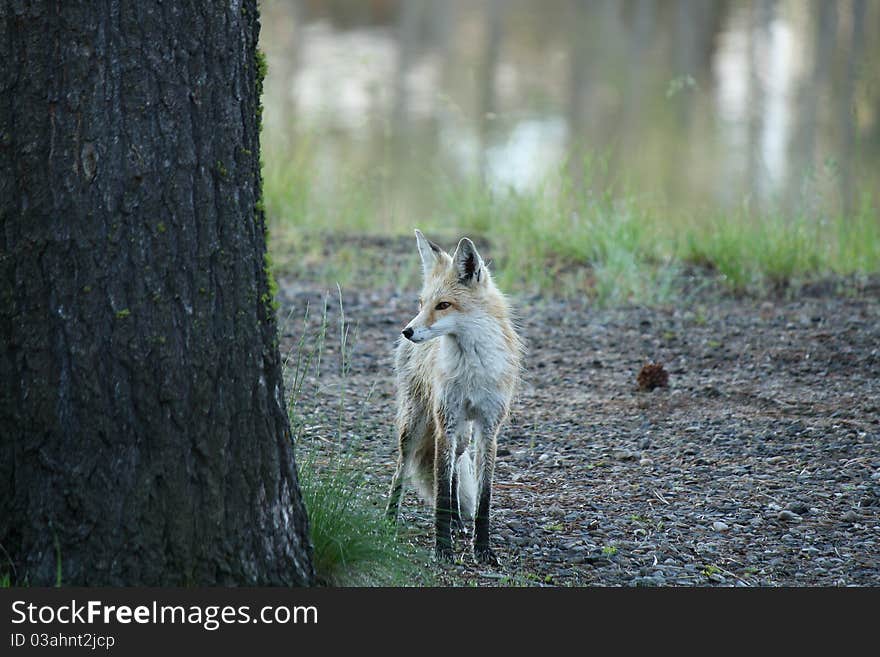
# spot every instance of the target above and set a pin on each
(467, 485)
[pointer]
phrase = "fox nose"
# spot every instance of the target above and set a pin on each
(407, 332)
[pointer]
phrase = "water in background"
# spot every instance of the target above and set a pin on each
(693, 104)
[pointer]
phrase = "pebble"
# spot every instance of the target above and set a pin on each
(719, 526)
(787, 516)
(798, 507)
(851, 516)
(654, 580)
(646, 462)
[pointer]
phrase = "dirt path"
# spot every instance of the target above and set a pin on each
(758, 465)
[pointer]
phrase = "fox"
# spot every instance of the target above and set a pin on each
(457, 365)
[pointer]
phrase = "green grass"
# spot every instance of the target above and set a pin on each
(754, 252)
(575, 236)
(353, 543)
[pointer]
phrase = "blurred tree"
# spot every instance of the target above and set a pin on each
(760, 19)
(847, 107)
(825, 12)
(408, 24)
(494, 18)
(144, 432)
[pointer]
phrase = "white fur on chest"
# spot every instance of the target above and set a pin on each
(476, 367)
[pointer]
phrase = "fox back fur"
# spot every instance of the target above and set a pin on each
(457, 365)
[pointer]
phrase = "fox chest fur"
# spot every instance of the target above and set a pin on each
(469, 381)
(475, 377)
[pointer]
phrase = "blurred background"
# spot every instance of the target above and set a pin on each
(385, 114)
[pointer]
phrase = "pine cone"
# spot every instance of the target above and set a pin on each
(652, 375)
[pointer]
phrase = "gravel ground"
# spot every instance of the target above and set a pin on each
(759, 464)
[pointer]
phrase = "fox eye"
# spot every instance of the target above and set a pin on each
(443, 305)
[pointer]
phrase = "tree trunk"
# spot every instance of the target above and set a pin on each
(142, 415)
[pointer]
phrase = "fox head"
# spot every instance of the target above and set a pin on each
(457, 290)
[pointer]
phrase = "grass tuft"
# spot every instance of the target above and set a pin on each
(353, 544)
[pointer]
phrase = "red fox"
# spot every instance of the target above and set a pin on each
(457, 365)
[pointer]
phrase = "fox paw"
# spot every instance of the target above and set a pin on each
(486, 556)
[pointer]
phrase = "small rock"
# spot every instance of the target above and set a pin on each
(596, 556)
(543, 457)
(648, 581)
(795, 429)
(719, 526)
(787, 516)
(851, 516)
(646, 462)
(798, 507)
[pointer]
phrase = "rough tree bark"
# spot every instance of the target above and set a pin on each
(143, 433)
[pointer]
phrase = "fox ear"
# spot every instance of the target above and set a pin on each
(468, 262)
(429, 252)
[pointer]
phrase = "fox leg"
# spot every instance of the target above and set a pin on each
(486, 447)
(445, 483)
(443, 465)
(404, 447)
(394, 494)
